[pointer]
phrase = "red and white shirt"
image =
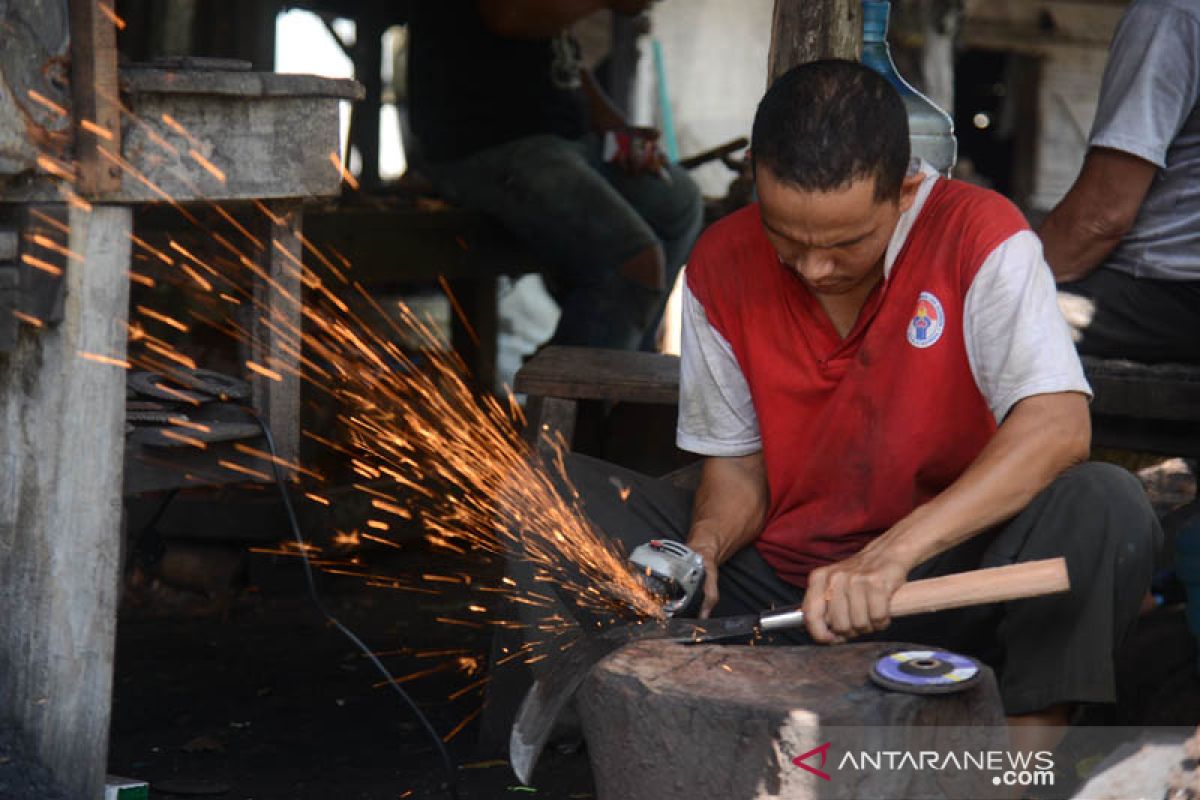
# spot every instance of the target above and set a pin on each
(857, 432)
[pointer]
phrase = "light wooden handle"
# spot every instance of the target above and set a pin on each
(982, 586)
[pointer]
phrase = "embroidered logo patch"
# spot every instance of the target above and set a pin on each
(928, 322)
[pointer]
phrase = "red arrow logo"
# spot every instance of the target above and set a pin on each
(800, 759)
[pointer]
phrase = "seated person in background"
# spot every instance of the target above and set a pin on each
(1124, 242)
(508, 122)
(875, 367)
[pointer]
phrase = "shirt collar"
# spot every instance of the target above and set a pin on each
(908, 218)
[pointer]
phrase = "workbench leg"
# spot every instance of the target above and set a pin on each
(62, 421)
(477, 297)
(276, 346)
(549, 420)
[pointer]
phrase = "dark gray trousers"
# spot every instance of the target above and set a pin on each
(1045, 650)
(1141, 319)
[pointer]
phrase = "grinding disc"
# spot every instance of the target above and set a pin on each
(925, 671)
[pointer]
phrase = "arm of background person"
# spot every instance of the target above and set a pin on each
(1150, 87)
(1096, 213)
(539, 19)
(728, 514)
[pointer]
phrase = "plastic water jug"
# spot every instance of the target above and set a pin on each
(930, 129)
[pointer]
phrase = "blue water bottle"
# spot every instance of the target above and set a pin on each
(930, 129)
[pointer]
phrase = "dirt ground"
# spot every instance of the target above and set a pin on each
(271, 702)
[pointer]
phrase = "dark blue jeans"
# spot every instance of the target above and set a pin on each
(585, 219)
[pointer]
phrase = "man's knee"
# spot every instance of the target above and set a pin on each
(647, 268)
(1110, 502)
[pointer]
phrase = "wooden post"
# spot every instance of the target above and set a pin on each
(94, 96)
(62, 417)
(280, 301)
(807, 30)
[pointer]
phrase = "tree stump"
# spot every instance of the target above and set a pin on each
(670, 720)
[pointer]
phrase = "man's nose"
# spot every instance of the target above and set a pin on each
(813, 265)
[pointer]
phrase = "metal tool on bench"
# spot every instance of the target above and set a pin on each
(548, 696)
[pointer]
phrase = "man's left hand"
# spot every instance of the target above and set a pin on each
(853, 597)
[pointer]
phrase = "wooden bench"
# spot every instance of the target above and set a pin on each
(1138, 407)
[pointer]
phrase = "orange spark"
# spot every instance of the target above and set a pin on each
(231, 466)
(391, 508)
(42, 100)
(163, 318)
(184, 422)
(264, 371)
(102, 359)
(196, 276)
(180, 437)
(466, 721)
(51, 221)
(28, 320)
(96, 130)
(316, 498)
(345, 173)
(169, 353)
(42, 264)
(107, 11)
(378, 525)
(56, 168)
(75, 201)
(379, 540)
(208, 166)
(174, 125)
(144, 280)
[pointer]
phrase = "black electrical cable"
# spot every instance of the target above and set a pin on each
(451, 775)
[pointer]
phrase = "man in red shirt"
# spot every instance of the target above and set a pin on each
(876, 370)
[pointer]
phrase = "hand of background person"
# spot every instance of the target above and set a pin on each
(853, 597)
(642, 155)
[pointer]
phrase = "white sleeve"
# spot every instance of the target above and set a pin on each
(716, 413)
(1017, 341)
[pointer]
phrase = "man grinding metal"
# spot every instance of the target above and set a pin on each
(876, 370)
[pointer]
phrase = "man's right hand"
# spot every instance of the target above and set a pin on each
(711, 592)
(629, 8)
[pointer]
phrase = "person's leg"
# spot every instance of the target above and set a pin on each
(1059, 649)
(1055, 650)
(607, 263)
(1115, 315)
(673, 206)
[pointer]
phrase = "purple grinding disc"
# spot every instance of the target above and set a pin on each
(925, 671)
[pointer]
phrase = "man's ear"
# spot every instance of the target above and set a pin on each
(908, 189)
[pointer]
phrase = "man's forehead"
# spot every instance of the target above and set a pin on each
(818, 218)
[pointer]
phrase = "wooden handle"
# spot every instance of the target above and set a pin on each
(982, 586)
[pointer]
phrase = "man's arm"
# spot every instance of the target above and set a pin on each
(728, 514)
(539, 19)
(1096, 213)
(1040, 438)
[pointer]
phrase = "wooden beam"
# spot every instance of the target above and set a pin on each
(95, 99)
(277, 394)
(808, 30)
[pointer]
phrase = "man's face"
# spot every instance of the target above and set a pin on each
(834, 241)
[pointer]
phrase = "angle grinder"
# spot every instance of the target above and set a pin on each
(672, 571)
